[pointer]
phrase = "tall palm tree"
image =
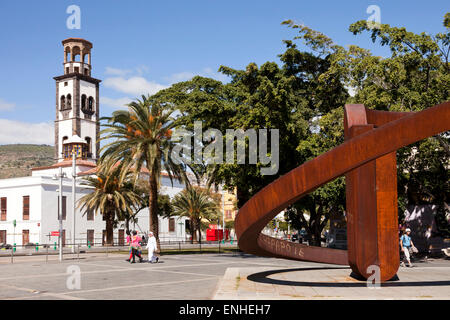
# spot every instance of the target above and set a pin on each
(111, 197)
(197, 204)
(141, 137)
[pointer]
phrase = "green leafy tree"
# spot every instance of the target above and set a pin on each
(415, 77)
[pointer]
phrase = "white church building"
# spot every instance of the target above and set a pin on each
(29, 206)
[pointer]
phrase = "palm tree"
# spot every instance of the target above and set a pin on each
(142, 138)
(197, 204)
(111, 197)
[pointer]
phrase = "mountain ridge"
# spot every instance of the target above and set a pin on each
(17, 160)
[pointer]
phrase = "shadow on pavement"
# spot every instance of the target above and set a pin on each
(263, 277)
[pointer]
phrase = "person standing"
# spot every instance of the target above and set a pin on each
(152, 247)
(428, 234)
(406, 244)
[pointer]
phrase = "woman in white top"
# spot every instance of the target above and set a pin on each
(152, 247)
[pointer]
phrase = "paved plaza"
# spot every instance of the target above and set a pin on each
(208, 276)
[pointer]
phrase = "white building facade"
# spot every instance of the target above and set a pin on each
(29, 206)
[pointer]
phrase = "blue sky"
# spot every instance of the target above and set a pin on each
(145, 45)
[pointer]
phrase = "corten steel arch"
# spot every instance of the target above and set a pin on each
(367, 158)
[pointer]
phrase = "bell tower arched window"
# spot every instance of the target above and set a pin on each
(91, 104)
(69, 101)
(83, 102)
(62, 105)
(89, 146)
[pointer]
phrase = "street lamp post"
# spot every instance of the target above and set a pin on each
(74, 176)
(223, 215)
(61, 175)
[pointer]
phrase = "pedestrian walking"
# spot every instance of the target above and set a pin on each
(128, 241)
(152, 247)
(407, 246)
(135, 247)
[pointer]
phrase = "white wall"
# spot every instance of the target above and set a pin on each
(14, 190)
(44, 207)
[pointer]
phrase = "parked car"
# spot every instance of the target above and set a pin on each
(5, 246)
(30, 244)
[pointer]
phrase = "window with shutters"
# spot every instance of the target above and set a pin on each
(2, 236)
(3, 203)
(25, 237)
(90, 215)
(26, 208)
(90, 237)
(172, 225)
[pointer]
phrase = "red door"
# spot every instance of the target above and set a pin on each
(25, 237)
(121, 237)
(90, 237)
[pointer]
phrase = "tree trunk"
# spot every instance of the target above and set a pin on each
(153, 208)
(193, 230)
(109, 228)
(127, 226)
(199, 227)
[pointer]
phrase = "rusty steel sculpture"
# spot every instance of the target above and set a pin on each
(368, 160)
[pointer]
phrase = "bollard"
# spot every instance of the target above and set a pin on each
(54, 246)
(46, 256)
(37, 247)
(179, 246)
(14, 247)
(107, 250)
(12, 253)
(89, 244)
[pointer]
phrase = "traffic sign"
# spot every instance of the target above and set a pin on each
(54, 233)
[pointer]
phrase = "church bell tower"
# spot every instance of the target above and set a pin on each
(77, 102)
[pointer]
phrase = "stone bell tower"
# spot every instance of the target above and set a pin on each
(77, 100)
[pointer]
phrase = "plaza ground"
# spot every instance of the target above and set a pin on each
(209, 276)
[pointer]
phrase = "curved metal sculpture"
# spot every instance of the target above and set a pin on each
(367, 158)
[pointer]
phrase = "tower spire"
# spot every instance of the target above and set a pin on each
(77, 100)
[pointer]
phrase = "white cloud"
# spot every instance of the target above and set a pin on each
(181, 76)
(187, 75)
(133, 85)
(116, 71)
(6, 106)
(23, 132)
(115, 103)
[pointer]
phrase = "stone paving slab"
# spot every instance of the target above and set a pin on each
(424, 281)
(201, 277)
(191, 277)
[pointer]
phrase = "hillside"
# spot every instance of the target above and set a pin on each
(17, 160)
